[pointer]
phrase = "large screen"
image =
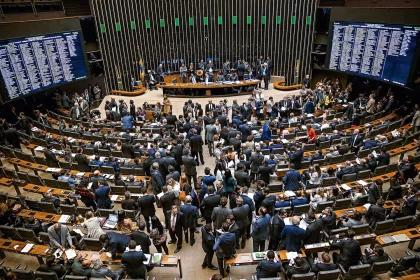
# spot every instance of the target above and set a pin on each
(378, 51)
(33, 64)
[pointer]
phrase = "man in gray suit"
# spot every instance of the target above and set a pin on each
(256, 161)
(190, 166)
(210, 132)
(60, 237)
(183, 73)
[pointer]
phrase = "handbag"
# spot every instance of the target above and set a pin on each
(182, 194)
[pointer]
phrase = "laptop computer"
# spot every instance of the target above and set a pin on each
(112, 221)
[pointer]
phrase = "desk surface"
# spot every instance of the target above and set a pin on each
(405, 231)
(203, 86)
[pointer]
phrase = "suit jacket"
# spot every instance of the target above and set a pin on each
(291, 180)
(129, 204)
(210, 132)
(196, 143)
(167, 200)
(242, 178)
(410, 206)
(356, 141)
(146, 205)
(296, 158)
(374, 193)
(291, 270)
(127, 150)
(256, 160)
(260, 228)
(50, 158)
(117, 243)
(323, 267)
(179, 224)
(59, 269)
(207, 241)
(246, 131)
(329, 222)
(313, 232)
(268, 268)
(292, 238)
(219, 216)
(370, 259)
(241, 216)
(210, 107)
(64, 239)
(383, 159)
(265, 171)
(133, 262)
(375, 214)
(236, 143)
(208, 204)
(190, 165)
(276, 227)
(143, 240)
(190, 215)
(223, 120)
(350, 251)
(83, 162)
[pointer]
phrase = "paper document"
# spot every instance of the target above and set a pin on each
(401, 237)
(303, 225)
(289, 193)
(361, 182)
(27, 248)
(160, 195)
(147, 261)
(89, 185)
(374, 153)
(367, 205)
(114, 197)
(291, 255)
(71, 254)
(79, 232)
(245, 258)
(63, 219)
(80, 174)
(345, 187)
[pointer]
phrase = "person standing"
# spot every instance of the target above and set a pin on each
(241, 213)
(183, 73)
(196, 143)
(133, 261)
(146, 206)
(141, 238)
(260, 230)
(225, 248)
(220, 213)
(265, 73)
(175, 225)
(190, 218)
(190, 166)
(207, 243)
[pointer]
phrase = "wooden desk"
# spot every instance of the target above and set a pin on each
(45, 216)
(415, 276)
(138, 90)
(45, 189)
(34, 166)
(366, 239)
(203, 86)
(6, 182)
(63, 111)
(316, 247)
(411, 236)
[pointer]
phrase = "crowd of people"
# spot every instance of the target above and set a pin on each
(232, 198)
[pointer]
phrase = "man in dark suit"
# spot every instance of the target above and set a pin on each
(245, 130)
(146, 206)
(209, 203)
(292, 236)
(300, 266)
(133, 262)
(265, 171)
(355, 141)
(114, 242)
(324, 264)
(276, 227)
(329, 219)
(410, 202)
(128, 203)
(383, 158)
(52, 265)
(127, 149)
(376, 255)
(269, 268)
(241, 214)
(12, 137)
(225, 248)
(196, 144)
(350, 251)
(141, 238)
(210, 106)
(242, 177)
(299, 200)
(82, 161)
(296, 157)
(236, 142)
(223, 120)
(375, 191)
(243, 192)
(376, 213)
(348, 169)
(190, 166)
(175, 225)
(190, 218)
(256, 160)
(50, 157)
(291, 179)
(167, 200)
(371, 162)
(313, 230)
(207, 243)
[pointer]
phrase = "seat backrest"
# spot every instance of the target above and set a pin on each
(23, 274)
(275, 187)
(407, 262)
(381, 267)
(130, 214)
(47, 207)
(322, 205)
(321, 162)
(383, 227)
(28, 234)
(68, 209)
(301, 209)
(361, 200)
(336, 159)
(333, 232)
(380, 170)
(118, 189)
(46, 275)
(349, 177)
(364, 174)
(9, 232)
(358, 271)
(139, 172)
(330, 181)
(328, 275)
(342, 203)
(108, 169)
(82, 210)
(106, 212)
(44, 237)
(361, 229)
(92, 244)
(305, 276)
(402, 223)
(126, 170)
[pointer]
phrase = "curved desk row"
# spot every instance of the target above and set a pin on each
(138, 90)
(280, 86)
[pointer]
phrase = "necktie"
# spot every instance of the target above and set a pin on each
(173, 222)
(354, 142)
(198, 199)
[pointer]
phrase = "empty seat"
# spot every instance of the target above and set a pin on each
(361, 229)
(404, 263)
(106, 212)
(336, 159)
(381, 267)
(330, 181)
(305, 276)
(322, 205)
(22, 274)
(365, 174)
(300, 209)
(47, 207)
(82, 210)
(402, 223)
(28, 235)
(383, 227)
(380, 170)
(355, 271)
(93, 244)
(68, 209)
(349, 178)
(108, 169)
(342, 203)
(10, 232)
(118, 189)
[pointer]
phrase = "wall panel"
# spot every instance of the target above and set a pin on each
(131, 29)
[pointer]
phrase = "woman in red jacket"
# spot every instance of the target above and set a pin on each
(311, 134)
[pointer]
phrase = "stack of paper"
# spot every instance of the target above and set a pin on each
(374, 153)
(291, 255)
(361, 182)
(79, 232)
(114, 197)
(345, 187)
(71, 254)
(400, 237)
(27, 248)
(303, 225)
(63, 219)
(80, 174)
(289, 193)
(367, 205)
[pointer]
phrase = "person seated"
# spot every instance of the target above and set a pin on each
(280, 202)
(36, 225)
(350, 251)
(355, 220)
(362, 166)
(48, 197)
(317, 156)
(324, 264)
(376, 255)
(53, 265)
(298, 265)
(271, 160)
(319, 196)
(371, 163)
(410, 202)
(81, 268)
(342, 149)
(269, 267)
(125, 225)
(328, 218)
(299, 200)
(335, 135)
(369, 143)
(323, 138)
(348, 169)
(96, 161)
(111, 162)
(128, 203)
(100, 270)
(332, 152)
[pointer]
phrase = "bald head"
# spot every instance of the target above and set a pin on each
(57, 227)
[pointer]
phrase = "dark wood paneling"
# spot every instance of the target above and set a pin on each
(286, 43)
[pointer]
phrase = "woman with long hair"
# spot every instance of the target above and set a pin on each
(320, 196)
(158, 235)
(125, 225)
(229, 183)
